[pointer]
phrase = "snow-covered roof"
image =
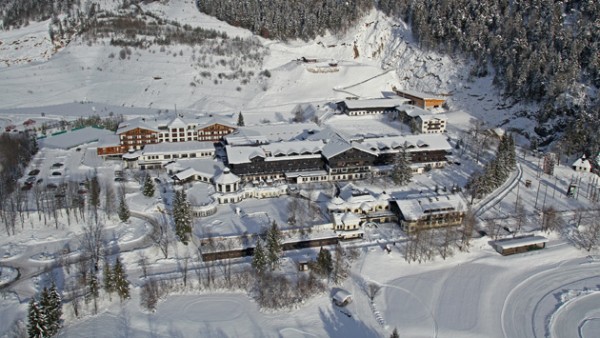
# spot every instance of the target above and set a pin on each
(74, 138)
(385, 103)
(198, 166)
(275, 151)
(413, 142)
(414, 209)
(251, 135)
(346, 218)
(109, 140)
(139, 122)
(338, 146)
(413, 111)
(177, 147)
(227, 177)
(511, 243)
(420, 95)
(582, 162)
(341, 295)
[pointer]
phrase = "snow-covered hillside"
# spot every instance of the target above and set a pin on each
(374, 56)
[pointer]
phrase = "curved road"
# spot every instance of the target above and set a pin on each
(530, 305)
(28, 267)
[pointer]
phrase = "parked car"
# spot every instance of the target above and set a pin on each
(56, 173)
(57, 165)
(34, 172)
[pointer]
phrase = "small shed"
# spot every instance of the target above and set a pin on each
(303, 266)
(522, 244)
(342, 298)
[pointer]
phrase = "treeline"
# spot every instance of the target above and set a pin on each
(288, 19)
(17, 13)
(539, 47)
(16, 151)
(543, 51)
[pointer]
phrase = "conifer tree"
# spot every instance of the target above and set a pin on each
(54, 310)
(148, 189)
(121, 283)
(259, 259)
(123, 209)
(36, 326)
(324, 262)
(402, 173)
(395, 334)
(107, 277)
(274, 245)
(340, 268)
(182, 217)
(240, 121)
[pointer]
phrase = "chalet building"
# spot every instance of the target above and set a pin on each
(110, 146)
(431, 124)
(135, 134)
(366, 205)
(425, 150)
(205, 129)
(370, 106)
(429, 212)
(272, 161)
(346, 160)
(425, 121)
(421, 100)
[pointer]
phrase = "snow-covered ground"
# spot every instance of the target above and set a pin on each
(472, 294)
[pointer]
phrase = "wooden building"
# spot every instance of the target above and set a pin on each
(422, 100)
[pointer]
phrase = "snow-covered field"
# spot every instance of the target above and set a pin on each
(472, 294)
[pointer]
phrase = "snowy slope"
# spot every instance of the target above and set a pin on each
(156, 78)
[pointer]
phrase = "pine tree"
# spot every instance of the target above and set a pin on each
(123, 209)
(54, 311)
(395, 334)
(107, 277)
(240, 121)
(324, 262)
(121, 283)
(339, 269)
(402, 173)
(274, 247)
(182, 217)
(36, 326)
(148, 189)
(259, 259)
(94, 191)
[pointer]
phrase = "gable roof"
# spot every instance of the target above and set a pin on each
(133, 124)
